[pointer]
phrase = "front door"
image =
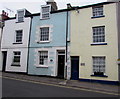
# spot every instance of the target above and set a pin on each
(75, 67)
(4, 60)
(61, 64)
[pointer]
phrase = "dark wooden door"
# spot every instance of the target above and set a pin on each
(61, 64)
(74, 67)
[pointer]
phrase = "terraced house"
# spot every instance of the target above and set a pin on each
(95, 42)
(79, 43)
(3, 16)
(47, 53)
(15, 41)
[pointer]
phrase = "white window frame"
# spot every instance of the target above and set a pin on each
(42, 13)
(44, 65)
(40, 34)
(18, 17)
(98, 35)
(16, 36)
(104, 64)
(97, 10)
(14, 63)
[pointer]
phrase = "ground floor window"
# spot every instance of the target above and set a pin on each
(43, 58)
(98, 65)
(16, 58)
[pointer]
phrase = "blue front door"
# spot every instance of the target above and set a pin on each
(75, 67)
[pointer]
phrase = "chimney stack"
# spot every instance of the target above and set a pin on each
(53, 5)
(4, 15)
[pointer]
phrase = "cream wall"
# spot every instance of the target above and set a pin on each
(81, 40)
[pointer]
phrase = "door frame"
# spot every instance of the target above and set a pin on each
(58, 53)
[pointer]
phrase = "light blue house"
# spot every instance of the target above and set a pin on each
(47, 49)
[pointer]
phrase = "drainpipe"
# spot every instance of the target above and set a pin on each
(66, 44)
(29, 44)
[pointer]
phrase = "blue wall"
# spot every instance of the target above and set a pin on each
(58, 21)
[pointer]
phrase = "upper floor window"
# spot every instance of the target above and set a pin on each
(98, 34)
(44, 34)
(45, 12)
(97, 11)
(20, 16)
(19, 34)
(99, 65)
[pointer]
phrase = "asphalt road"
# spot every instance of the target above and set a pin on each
(18, 88)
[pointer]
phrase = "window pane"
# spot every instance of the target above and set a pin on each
(97, 11)
(43, 57)
(99, 65)
(19, 36)
(16, 59)
(20, 16)
(98, 34)
(45, 12)
(44, 34)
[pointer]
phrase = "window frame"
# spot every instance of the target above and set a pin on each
(40, 35)
(99, 35)
(41, 15)
(104, 69)
(18, 15)
(15, 63)
(44, 65)
(98, 12)
(16, 31)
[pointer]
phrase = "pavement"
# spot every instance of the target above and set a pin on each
(62, 82)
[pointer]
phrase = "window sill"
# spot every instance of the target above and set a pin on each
(18, 43)
(98, 75)
(44, 18)
(98, 44)
(18, 65)
(43, 42)
(20, 22)
(41, 66)
(97, 16)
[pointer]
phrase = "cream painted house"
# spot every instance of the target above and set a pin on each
(94, 44)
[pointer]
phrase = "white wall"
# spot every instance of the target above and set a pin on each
(23, 61)
(11, 26)
(0, 51)
(8, 39)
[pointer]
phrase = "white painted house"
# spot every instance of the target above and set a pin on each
(3, 16)
(15, 41)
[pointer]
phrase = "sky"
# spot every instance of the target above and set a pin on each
(33, 6)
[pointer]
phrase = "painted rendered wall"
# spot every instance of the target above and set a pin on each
(34, 67)
(8, 37)
(0, 52)
(23, 60)
(118, 11)
(57, 23)
(0, 60)
(81, 40)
